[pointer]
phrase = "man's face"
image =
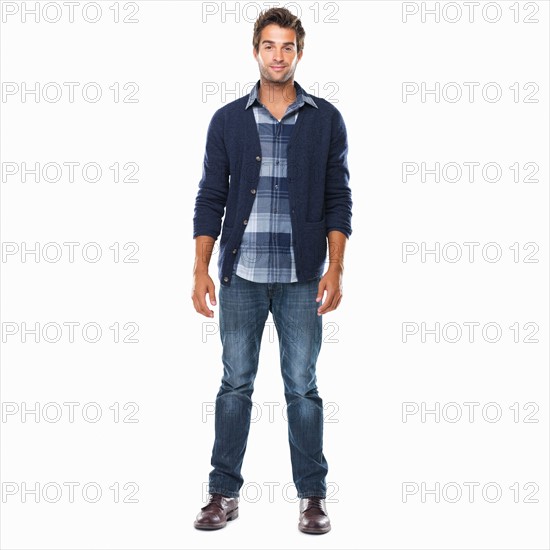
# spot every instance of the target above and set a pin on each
(277, 55)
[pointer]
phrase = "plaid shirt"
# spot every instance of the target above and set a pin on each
(266, 254)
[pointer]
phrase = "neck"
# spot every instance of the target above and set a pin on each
(277, 93)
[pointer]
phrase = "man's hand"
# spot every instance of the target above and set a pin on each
(331, 282)
(203, 285)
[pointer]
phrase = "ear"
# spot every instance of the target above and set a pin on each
(254, 53)
(300, 54)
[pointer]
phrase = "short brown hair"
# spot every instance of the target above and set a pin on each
(283, 18)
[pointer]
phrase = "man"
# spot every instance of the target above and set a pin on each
(276, 161)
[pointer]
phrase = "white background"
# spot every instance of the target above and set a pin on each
(364, 51)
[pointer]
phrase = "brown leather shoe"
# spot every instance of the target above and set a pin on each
(313, 516)
(217, 512)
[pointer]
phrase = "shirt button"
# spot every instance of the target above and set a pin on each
(253, 191)
(226, 279)
(245, 222)
(258, 159)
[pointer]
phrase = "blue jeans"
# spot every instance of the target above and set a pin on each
(244, 308)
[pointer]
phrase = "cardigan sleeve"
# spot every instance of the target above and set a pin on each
(214, 184)
(338, 201)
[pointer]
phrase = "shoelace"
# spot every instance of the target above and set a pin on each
(315, 502)
(216, 500)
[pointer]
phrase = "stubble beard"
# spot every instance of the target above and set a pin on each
(284, 77)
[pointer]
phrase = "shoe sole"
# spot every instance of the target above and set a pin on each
(313, 531)
(234, 514)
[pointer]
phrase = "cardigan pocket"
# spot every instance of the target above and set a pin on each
(315, 225)
(315, 241)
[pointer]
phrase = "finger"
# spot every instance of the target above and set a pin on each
(335, 301)
(337, 304)
(199, 308)
(203, 308)
(327, 303)
(195, 303)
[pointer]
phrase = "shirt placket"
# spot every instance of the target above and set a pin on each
(273, 259)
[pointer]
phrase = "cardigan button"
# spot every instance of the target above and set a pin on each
(253, 191)
(226, 279)
(258, 158)
(245, 222)
(234, 251)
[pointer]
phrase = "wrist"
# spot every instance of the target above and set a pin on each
(336, 266)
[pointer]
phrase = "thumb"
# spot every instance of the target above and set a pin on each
(212, 294)
(320, 292)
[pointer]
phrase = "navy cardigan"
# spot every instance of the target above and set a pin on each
(318, 183)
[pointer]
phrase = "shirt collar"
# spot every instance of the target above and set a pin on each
(301, 96)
